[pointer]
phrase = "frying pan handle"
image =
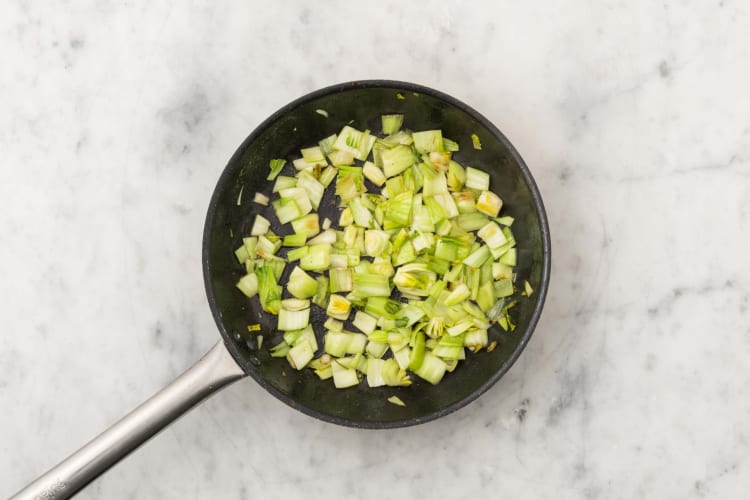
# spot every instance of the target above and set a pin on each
(213, 372)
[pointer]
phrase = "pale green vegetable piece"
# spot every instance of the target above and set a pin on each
(433, 231)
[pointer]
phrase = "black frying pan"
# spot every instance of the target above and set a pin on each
(297, 125)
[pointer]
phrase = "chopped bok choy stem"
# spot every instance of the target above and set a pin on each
(419, 268)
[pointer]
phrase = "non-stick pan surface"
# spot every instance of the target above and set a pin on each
(302, 124)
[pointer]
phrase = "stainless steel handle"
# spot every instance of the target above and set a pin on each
(214, 371)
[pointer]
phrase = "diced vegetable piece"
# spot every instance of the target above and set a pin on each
(376, 242)
(349, 184)
(361, 214)
(266, 248)
(338, 307)
(275, 167)
(241, 254)
(261, 199)
(300, 355)
(382, 307)
(478, 257)
(486, 296)
(293, 320)
(475, 339)
(449, 347)
(268, 289)
(294, 240)
(327, 237)
(394, 186)
(505, 220)
(395, 400)
(371, 285)
(509, 258)
(438, 160)
(402, 357)
(432, 369)
(398, 211)
(301, 284)
(456, 176)
(373, 173)
(472, 221)
(333, 325)
(449, 145)
(286, 210)
(299, 196)
(327, 176)
(364, 322)
(376, 349)
(326, 144)
(354, 141)
(339, 344)
(313, 155)
(340, 280)
(375, 372)
(500, 271)
(260, 226)
(318, 258)
(503, 288)
(458, 295)
(441, 207)
(428, 141)
(297, 253)
(280, 350)
(489, 203)
(250, 243)
(300, 164)
(382, 265)
(393, 375)
(321, 297)
(476, 179)
(248, 284)
(343, 377)
(414, 279)
(475, 141)
(391, 123)
(284, 182)
(397, 159)
(339, 158)
(492, 235)
(312, 187)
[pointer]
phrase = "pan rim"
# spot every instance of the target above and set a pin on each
(541, 292)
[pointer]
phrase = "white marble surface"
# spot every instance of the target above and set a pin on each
(116, 119)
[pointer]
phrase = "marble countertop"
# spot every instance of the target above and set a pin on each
(116, 119)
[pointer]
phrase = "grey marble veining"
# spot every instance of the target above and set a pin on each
(634, 117)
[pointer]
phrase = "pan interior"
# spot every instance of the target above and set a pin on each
(300, 124)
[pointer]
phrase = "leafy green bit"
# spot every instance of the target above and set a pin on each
(275, 167)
